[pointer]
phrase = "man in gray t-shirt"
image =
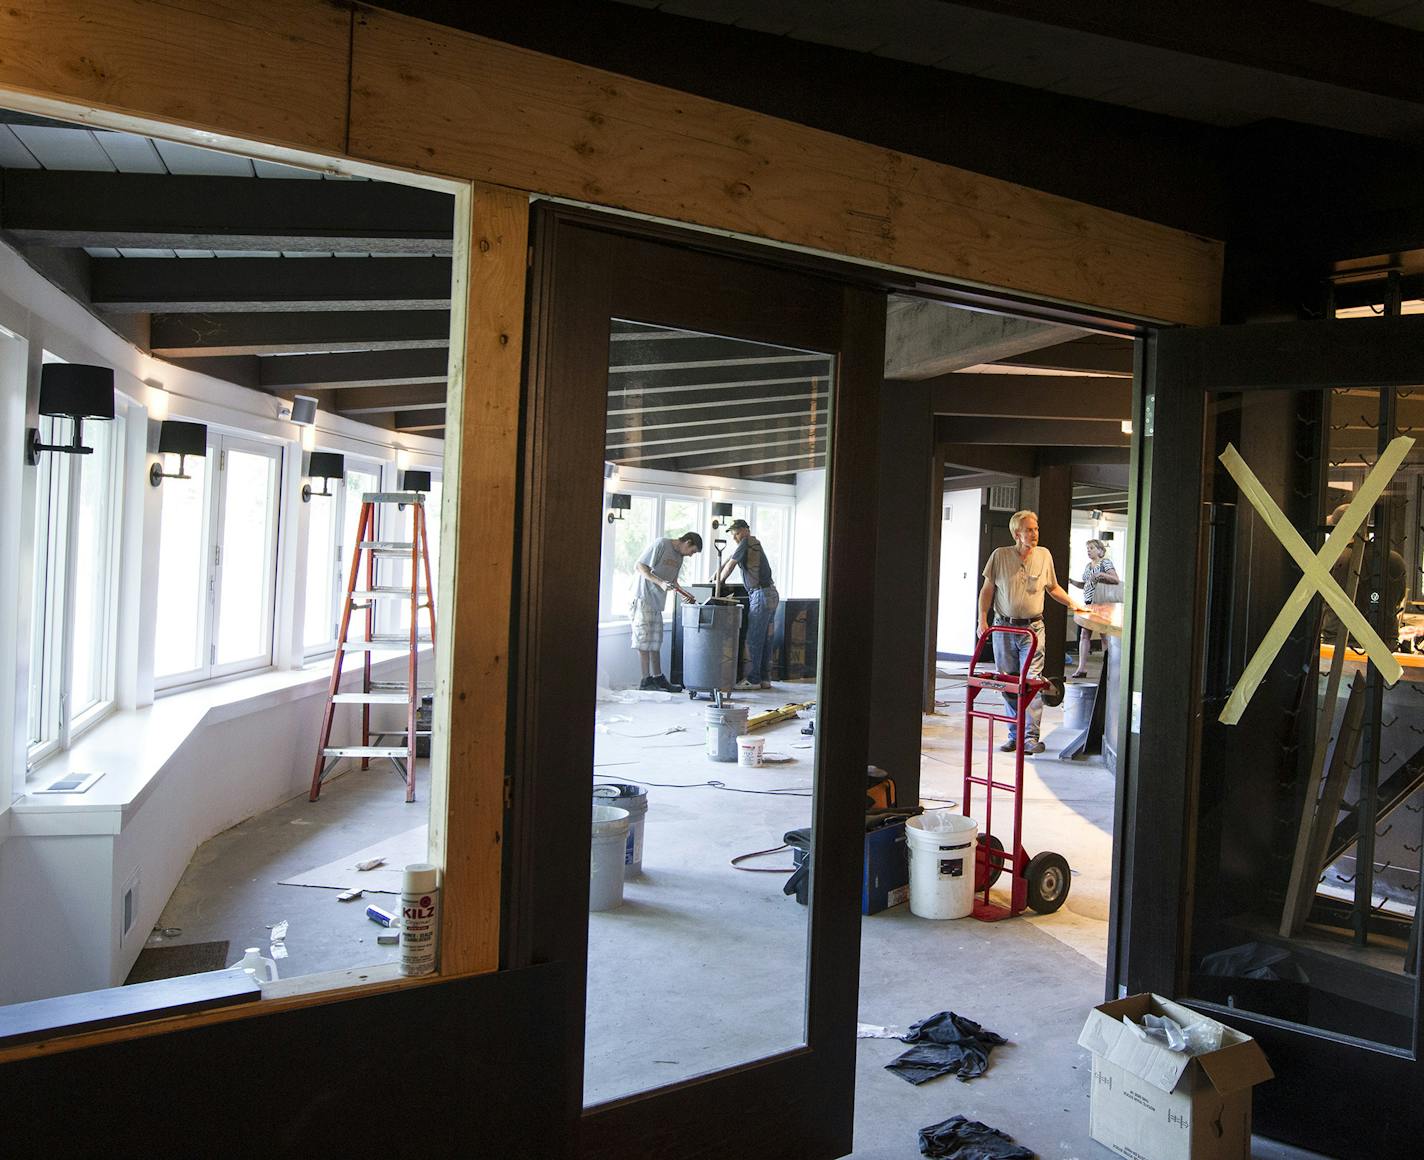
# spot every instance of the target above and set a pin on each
(657, 571)
(763, 598)
(1016, 580)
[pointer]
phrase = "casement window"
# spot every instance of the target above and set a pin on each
(217, 564)
(331, 543)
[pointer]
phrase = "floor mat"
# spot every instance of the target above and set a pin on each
(169, 962)
(399, 850)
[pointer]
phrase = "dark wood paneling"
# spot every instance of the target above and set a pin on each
(413, 1065)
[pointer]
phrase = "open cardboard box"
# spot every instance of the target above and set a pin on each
(1151, 1103)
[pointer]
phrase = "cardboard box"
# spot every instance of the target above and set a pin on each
(1150, 1103)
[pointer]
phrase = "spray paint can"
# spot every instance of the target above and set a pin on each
(420, 918)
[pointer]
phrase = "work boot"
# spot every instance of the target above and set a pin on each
(1035, 746)
(665, 685)
(745, 686)
(650, 683)
(1008, 746)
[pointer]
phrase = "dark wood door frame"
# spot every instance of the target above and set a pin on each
(1314, 1069)
(590, 269)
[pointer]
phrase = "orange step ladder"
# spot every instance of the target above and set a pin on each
(365, 561)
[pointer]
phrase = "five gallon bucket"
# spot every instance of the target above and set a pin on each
(724, 725)
(749, 751)
(942, 850)
(610, 839)
(634, 799)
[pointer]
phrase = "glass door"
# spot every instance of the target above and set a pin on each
(710, 1005)
(1284, 897)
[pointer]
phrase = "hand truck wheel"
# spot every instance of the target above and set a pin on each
(984, 865)
(1048, 881)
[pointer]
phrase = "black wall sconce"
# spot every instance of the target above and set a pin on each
(620, 503)
(720, 511)
(176, 437)
(325, 466)
(74, 391)
(415, 481)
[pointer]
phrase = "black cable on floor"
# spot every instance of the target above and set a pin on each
(724, 786)
(740, 858)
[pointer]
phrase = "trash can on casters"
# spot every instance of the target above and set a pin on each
(709, 646)
(605, 864)
(634, 799)
(942, 850)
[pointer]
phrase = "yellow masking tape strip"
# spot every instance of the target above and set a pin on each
(1316, 569)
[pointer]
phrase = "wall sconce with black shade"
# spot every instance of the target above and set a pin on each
(74, 391)
(720, 510)
(415, 481)
(325, 466)
(620, 503)
(180, 438)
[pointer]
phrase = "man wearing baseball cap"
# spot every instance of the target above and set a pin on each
(756, 576)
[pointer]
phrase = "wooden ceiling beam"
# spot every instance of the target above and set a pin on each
(188, 212)
(393, 397)
(360, 369)
(205, 285)
(1098, 354)
(301, 332)
(1036, 396)
(1031, 432)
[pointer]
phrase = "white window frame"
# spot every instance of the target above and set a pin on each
(58, 487)
(660, 495)
(219, 444)
(390, 614)
(341, 561)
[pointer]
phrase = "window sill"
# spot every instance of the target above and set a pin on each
(133, 747)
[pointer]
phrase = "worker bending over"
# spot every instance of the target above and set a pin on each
(658, 569)
(1016, 579)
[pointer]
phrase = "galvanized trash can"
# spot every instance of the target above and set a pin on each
(710, 634)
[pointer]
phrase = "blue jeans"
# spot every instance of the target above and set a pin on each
(1009, 652)
(764, 604)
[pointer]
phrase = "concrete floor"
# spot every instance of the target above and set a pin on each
(702, 967)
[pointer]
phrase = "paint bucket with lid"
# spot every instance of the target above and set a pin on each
(749, 751)
(942, 857)
(725, 723)
(605, 866)
(634, 799)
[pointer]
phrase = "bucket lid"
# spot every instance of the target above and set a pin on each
(748, 740)
(613, 790)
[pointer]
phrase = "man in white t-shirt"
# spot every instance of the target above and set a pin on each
(1016, 580)
(658, 569)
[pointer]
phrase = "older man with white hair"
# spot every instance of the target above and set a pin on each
(1016, 579)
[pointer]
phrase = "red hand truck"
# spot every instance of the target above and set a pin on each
(1040, 883)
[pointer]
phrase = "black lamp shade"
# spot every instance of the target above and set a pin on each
(326, 465)
(415, 481)
(76, 390)
(176, 437)
(721, 509)
(620, 502)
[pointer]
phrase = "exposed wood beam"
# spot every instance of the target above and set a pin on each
(1040, 396)
(975, 479)
(1087, 455)
(363, 369)
(201, 285)
(805, 461)
(183, 212)
(737, 444)
(1015, 461)
(1104, 474)
(422, 421)
(1032, 432)
(1271, 36)
(376, 400)
(634, 439)
(744, 406)
(924, 338)
(1096, 355)
(302, 332)
(636, 428)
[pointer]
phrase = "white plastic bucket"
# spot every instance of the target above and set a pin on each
(605, 864)
(724, 724)
(942, 852)
(634, 799)
(749, 750)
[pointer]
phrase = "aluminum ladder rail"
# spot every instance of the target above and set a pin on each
(370, 550)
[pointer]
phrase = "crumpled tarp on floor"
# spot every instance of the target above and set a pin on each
(958, 1138)
(945, 1043)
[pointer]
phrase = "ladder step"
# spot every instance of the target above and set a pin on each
(371, 699)
(414, 497)
(366, 751)
(399, 687)
(374, 645)
(385, 590)
(386, 547)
